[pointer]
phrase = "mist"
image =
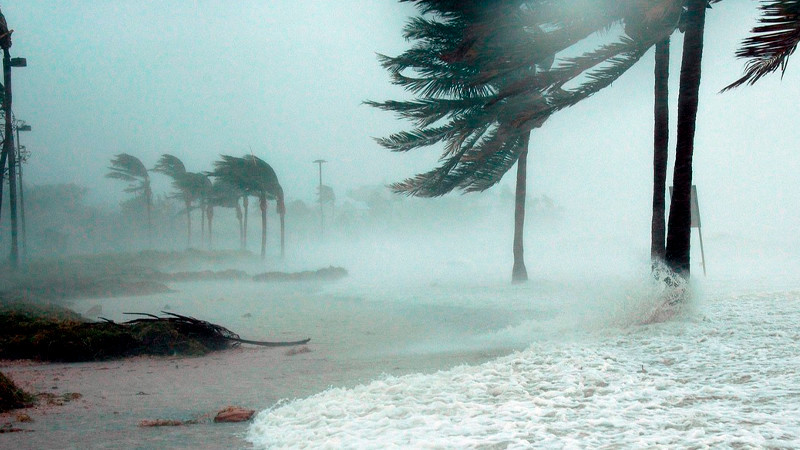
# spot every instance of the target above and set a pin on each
(428, 298)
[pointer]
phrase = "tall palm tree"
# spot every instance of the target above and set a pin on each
(658, 228)
(188, 186)
(677, 255)
(254, 176)
(772, 43)
(129, 168)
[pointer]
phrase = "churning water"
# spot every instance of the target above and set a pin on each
(723, 374)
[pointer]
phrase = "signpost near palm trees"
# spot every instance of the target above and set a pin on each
(320, 162)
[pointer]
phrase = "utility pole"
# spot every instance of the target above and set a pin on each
(9, 151)
(22, 157)
(320, 162)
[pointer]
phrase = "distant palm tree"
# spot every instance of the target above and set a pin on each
(224, 195)
(189, 186)
(772, 43)
(254, 176)
(129, 168)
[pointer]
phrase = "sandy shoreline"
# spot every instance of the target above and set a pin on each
(353, 341)
(117, 395)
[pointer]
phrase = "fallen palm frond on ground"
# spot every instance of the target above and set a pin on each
(30, 334)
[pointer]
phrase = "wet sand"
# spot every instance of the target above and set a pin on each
(354, 340)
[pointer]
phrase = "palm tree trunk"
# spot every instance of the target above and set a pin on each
(680, 218)
(202, 209)
(241, 226)
(189, 224)
(660, 151)
(210, 214)
(519, 273)
(149, 199)
(262, 202)
(282, 212)
(245, 204)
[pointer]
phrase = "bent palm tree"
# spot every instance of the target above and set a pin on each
(129, 168)
(483, 75)
(254, 176)
(187, 186)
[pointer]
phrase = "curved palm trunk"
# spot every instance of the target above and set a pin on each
(519, 273)
(245, 204)
(241, 226)
(660, 151)
(262, 203)
(680, 219)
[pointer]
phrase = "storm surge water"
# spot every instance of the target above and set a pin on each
(722, 375)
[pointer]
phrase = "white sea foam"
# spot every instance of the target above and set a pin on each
(726, 375)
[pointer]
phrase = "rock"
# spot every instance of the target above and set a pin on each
(234, 414)
(22, 417)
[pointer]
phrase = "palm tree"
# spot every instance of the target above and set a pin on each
(189, 186)
(680, 220)
(483, 75)
(254, 176)
(658, 228)
(129, 168)
(772, 43)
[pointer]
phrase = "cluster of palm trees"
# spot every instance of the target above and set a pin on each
(235, 178)
(484, 76)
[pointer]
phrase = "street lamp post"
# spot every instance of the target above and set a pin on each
(21, 157)
(320, 162)
(8, 149)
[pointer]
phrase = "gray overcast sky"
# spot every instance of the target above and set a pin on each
(287, 78)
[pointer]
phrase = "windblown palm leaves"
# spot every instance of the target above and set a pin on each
(772, 42)
(254, 176)
(129, 168)
(483, 76)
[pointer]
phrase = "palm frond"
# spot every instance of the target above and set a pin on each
(170, 166)
(129, 168)
(772, 43)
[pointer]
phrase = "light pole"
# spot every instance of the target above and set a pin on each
(22, 156)
(320, 162)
